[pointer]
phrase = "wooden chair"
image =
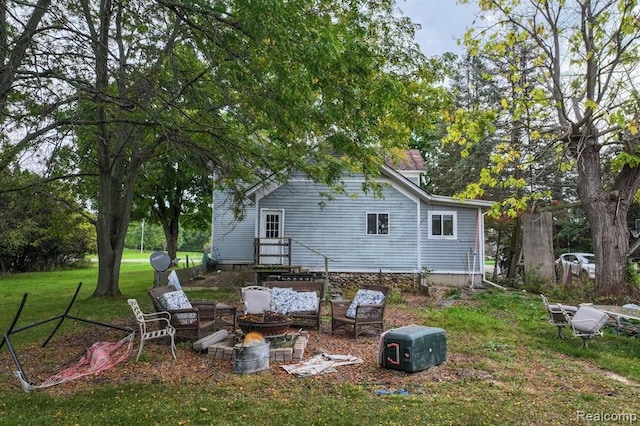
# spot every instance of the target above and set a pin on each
(363, 314)
(155, 325)
(192, 320)
(556, 316)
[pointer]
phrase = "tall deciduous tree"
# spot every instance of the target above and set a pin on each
(252, 88)
(174, 190)
(479, 136)
(582, 106)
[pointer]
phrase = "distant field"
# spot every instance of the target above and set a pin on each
(138, 256)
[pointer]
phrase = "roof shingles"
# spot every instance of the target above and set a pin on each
(412, 161)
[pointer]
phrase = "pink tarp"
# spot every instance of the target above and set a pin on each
(100, 356)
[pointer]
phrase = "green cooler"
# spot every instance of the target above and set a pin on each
(412, 348)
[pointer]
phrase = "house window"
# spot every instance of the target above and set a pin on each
(377, 223)
(272, 226)
(443, 225)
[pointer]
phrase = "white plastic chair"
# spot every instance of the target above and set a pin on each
(256, 299)
(160, 326)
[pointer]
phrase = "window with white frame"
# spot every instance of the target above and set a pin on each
(442, 225)
(377, 223)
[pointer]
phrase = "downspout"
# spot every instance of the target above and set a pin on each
(256, 222)
(475, 249)
(213, 208)
(419, 239)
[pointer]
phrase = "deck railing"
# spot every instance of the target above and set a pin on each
(277, 251)
(272, 251)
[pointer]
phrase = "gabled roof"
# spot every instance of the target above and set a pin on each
(408, 185)
(413, 161)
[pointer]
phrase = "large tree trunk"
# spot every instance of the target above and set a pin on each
(537, 245)
(168, 213)
(515, 247)
(115, 196)
(119, 160)
(109, 260)
(110, 242)
(607, 215)
(171, 235)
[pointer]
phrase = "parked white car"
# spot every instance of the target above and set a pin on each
(578, 262)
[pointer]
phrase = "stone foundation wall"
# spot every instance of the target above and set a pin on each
(346, 282)
(349, 282)
(410, 282)
(200, 276)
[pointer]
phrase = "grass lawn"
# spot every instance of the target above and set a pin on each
(143, 257)
(504, 366)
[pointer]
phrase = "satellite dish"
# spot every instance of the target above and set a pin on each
(160, 261)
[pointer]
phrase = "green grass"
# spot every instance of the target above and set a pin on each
(504, 366)
(143, 257)
(49, 294)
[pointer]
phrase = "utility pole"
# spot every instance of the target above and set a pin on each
(142, 237)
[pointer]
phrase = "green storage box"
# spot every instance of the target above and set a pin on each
(412, 348)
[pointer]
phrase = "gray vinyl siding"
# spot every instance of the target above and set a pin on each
(414, 179)
(443, 255)
(233, 239)
(338, 229)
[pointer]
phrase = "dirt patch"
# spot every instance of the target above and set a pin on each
(65, 350)
(219, 278)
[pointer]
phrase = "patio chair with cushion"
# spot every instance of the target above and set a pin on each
(586, 323)
(192, 320)
(556, 316)
(298, 300)
(365, 311)
(155, 325)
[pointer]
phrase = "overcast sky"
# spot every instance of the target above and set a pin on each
(442, 21)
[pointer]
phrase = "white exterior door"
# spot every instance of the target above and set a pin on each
(271, 237)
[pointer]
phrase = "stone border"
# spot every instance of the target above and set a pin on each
(224, 350)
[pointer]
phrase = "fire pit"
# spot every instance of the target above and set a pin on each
(269, 324)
